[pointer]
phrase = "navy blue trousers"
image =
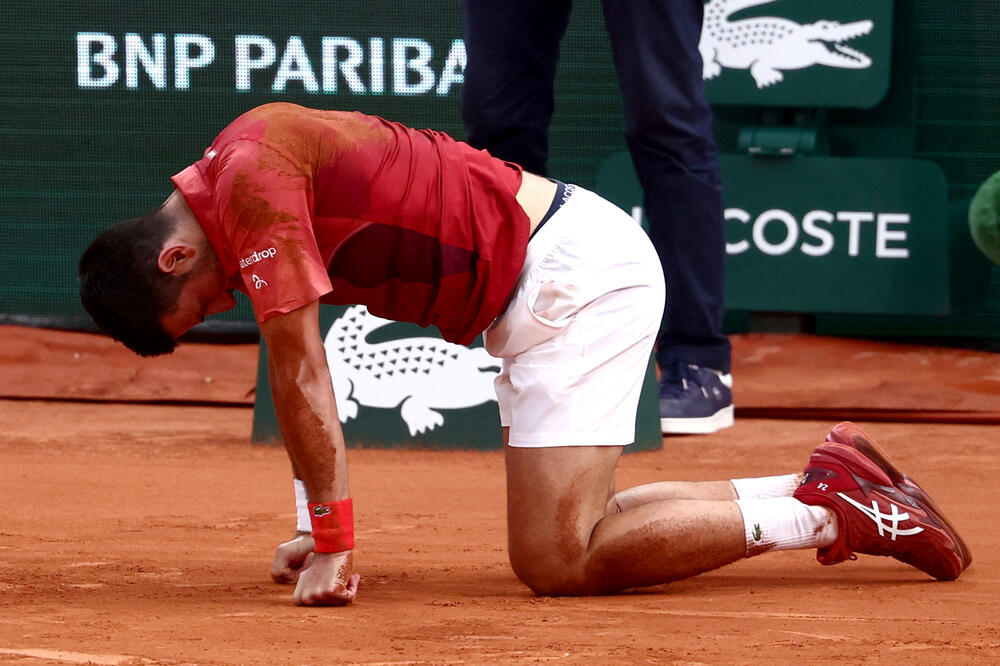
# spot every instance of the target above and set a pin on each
(507, 105)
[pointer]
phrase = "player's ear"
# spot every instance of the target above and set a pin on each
(176, 258)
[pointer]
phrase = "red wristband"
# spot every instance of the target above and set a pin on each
(332, 525)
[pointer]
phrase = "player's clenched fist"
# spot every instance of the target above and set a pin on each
(291, 558)
(327, 581)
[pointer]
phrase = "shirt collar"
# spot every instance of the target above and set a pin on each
(194, 183)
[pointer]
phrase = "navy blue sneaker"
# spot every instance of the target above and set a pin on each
(699, 403)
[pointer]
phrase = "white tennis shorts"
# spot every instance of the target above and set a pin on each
(575, 340)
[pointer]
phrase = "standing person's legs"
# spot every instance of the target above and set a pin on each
(669, 134)
(507, 98)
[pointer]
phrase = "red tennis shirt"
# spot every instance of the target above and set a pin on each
(347, 208)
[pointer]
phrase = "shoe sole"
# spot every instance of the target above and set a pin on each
(851, 435)
(698, 426)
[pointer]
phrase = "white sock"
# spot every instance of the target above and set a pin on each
(784, 523)
(766, 486)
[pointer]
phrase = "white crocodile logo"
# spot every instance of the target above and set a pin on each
(768, 44)
(413, 374)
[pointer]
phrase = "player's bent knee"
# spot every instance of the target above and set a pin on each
(546, 583)
(549, 578)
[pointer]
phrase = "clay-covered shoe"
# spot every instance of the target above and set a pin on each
(873, 516)
(851, 435)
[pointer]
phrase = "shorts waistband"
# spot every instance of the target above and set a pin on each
(563, 193)
(540, 245)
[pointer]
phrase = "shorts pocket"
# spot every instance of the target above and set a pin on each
(534, 317)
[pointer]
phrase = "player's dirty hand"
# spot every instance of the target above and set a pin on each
(327, 581)
(291, 558)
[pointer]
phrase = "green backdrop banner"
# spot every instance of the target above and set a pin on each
(825, 234)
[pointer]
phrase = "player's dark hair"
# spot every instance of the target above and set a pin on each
(122, 287)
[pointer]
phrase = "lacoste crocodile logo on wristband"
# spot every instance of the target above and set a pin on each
(321, 510)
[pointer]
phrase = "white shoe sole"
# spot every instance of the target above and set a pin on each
(698, 426)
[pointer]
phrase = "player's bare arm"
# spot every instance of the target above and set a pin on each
(307, 415)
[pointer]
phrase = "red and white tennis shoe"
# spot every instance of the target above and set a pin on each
(850, 434)
(852, 476)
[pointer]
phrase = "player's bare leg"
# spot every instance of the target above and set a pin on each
(563, 540)
(667, 490)
(775, 486)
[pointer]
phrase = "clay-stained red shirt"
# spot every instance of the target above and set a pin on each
(347, 208)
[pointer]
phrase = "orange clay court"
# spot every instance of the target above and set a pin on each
(139, 523)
